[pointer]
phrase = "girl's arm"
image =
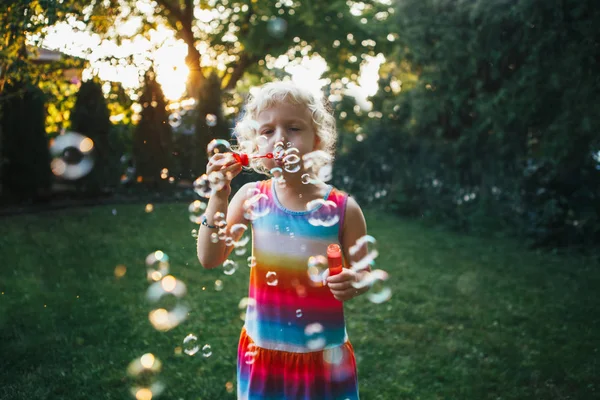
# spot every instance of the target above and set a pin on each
(211, 254)
(354, 228)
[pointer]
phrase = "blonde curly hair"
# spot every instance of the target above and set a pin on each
(246, 129)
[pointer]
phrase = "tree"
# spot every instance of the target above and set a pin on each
(226, 39)
(152, 140)
(90, 117)
(26, 171)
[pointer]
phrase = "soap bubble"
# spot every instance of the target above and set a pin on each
(211, 120)
(277, 27)
(315, 337)
(272, 278)
(217, 181)
(157, 266)
(256, 205)
(217, 146)
(279, 150)
(251, 262)
(190, 345)
(71, 155)
(298, 313)
(250, 354)
(239, 230)
(219, 219)
(202, 186)
(322, 212)
(262, 141)
(229, 267)
(318, 266)
(175, 119)
(218, 285)
(291, 160)
(165, 295)
(367, 244)
(379, 292)
(196, 209)
(207, 350)
(143, 373)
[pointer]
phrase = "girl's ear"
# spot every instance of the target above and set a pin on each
(317, 142)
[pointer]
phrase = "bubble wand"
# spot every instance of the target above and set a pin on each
(244, 159)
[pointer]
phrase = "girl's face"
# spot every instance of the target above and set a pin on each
(287, 123)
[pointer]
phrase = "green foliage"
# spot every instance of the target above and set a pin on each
(499, 130)
(152, 139)
(90, 117)
(26, 171)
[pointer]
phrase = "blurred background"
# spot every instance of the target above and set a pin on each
(469, 131)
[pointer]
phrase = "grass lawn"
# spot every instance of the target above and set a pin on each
(469, 318)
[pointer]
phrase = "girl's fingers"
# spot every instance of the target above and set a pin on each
(340, 285)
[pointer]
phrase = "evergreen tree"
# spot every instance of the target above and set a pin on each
(152, 140)
(26, 172)
(90, 117)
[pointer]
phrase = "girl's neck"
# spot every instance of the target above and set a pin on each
(294, 185)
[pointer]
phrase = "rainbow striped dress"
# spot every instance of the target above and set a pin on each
(294, 344)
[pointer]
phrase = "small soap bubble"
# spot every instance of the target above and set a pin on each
(291, 160)
(251, 262)
(157, 266)
(256, 205)
(196, 210)
(175, 119)
(202, 186)
(229, 267)
(206, 350)
(165, 295)
(315, 338)
(272, 278)
(306, 179)
(218, 285)
(277, 27)
(262, 141)
(317, 268)
(335, 355)
(322, 212)
(239, 230)
(279, 150)
(365, 245)
(379, 291)
(214, 237)
(219, 219)
(190, 345)
(217, 181)
(250, 354)
(211, 120)
(143, 375)
(298, 313)
(72, 156)
(195, 233)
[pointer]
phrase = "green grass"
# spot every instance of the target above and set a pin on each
(469, 318)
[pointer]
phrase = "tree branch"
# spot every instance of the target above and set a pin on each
(244, 62)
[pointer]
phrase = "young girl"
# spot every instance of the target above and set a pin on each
(294, 343)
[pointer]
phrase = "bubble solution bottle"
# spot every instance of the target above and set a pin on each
(334, 258)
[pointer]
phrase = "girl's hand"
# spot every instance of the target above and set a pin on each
(226, 164)
(341, 285)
